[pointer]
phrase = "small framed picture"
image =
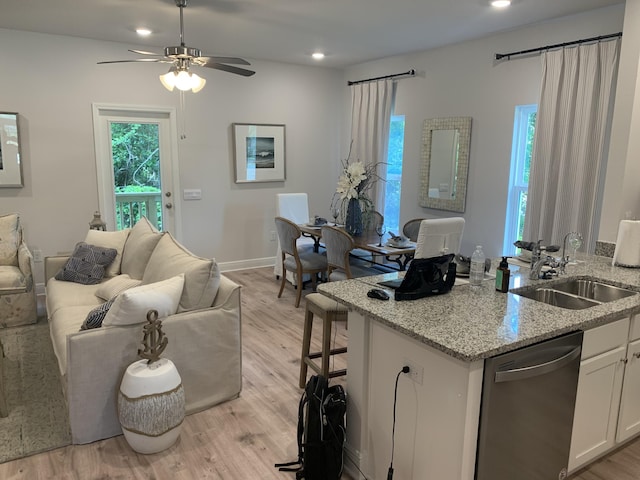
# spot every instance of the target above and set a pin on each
(258, 152)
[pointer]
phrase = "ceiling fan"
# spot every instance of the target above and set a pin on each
(182, 57)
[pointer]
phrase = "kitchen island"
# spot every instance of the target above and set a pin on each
(445, 339)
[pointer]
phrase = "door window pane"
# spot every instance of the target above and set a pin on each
(135, 153)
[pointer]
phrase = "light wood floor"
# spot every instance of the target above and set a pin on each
(243, 438)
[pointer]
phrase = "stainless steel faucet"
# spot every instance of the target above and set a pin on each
(538, 260)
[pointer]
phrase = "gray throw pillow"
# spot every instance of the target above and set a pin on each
(96, 316)
(87, 264)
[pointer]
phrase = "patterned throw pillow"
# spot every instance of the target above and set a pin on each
(87, 264)
(96, 316)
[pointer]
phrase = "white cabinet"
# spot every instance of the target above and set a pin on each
(597, 401)
(629, 421)
(608, 398)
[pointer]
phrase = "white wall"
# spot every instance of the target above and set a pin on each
(621, 192)
(52, 81)
(56, 80)
(464, 80)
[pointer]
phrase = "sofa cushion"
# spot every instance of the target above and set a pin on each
(10, 239)
(62, 294)
(115, 240)
(116, 285)
(132, 305)
(11, 277)
(87, 264)
(142, 239)
(96, 316)
(201, 275)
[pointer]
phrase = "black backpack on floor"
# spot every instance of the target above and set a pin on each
(321, 432)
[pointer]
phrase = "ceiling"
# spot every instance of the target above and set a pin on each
(347, 31)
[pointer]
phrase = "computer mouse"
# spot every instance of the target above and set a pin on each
(378, 294)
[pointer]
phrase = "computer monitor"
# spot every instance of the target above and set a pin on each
(439, 236)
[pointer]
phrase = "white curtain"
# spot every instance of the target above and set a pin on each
(371, 106)
(571, 140)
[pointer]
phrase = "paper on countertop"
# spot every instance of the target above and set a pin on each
(627, 252)
(518, 263)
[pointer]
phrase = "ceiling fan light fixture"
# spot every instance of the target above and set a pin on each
(182, 80)
(500, 3)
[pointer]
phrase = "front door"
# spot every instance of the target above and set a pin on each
(134, 155)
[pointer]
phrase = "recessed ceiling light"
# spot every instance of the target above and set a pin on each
(500, 3)
(143, 32)
(317, 55)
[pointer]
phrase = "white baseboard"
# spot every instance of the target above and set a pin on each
(245, 264)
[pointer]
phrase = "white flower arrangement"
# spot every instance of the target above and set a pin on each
(354, 183)
(350, 181)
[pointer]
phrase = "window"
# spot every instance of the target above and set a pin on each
(394, 175)
(523, 133)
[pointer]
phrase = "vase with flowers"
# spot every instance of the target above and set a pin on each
(351, 194)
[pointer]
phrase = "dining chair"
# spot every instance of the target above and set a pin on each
(439, 236)
(341, 265)
(411, 229)
(294, 207)
(295, 260)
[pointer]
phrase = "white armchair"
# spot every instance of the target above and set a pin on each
(17, 290)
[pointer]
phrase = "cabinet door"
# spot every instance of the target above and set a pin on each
(597, 405)
(629, 422)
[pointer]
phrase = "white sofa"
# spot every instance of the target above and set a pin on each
(203, 334)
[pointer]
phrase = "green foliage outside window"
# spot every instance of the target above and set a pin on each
(136, 169)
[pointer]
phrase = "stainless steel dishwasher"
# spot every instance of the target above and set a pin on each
(526, 415)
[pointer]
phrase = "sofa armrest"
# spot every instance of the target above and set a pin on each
(225, 291)
(52, 265)
(25, 263)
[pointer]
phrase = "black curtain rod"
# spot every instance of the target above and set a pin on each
(410, 73)
(500, 56)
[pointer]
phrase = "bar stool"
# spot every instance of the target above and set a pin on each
(330, 311)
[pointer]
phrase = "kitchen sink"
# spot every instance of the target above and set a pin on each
(558, 299)
(575, 294)
(598, 291)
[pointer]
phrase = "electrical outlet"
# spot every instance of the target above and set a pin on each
(37, 255)
(272, 236)
(416, 372)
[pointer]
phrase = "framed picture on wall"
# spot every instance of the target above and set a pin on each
(258, 152)
(10, 166)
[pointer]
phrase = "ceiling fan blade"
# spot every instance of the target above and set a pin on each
(230, 69)
(142, 52)
(232, 60)
(157, 60)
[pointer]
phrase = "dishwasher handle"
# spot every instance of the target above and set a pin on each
(540, 369)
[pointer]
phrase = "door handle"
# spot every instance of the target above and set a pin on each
(169, 205)
(168, 194)
(535, 370)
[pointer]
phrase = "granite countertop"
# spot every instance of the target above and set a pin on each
(474, 323)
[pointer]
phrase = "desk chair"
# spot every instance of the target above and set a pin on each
(439, 236)
(295, 260)
(330, 311)
(341, 265)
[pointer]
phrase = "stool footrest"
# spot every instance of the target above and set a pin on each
(335, 351)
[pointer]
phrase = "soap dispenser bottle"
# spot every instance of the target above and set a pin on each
(502, 276)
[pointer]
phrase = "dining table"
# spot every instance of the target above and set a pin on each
(369, 240)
